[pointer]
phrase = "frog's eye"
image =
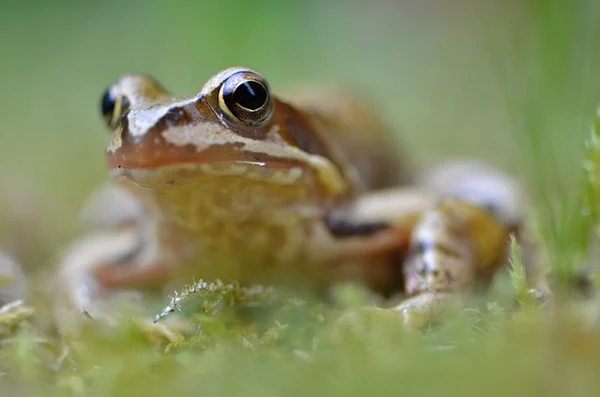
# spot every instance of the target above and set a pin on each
(113, 107)
(245, 98)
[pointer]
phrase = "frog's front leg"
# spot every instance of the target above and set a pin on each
(97, 263)
(105, 278)
(108, 271)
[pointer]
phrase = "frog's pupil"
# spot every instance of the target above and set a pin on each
(250, 94)
(108, 104)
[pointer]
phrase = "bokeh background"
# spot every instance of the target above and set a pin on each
(449, 76)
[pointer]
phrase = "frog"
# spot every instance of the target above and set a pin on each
(236, 183)
(233, 183)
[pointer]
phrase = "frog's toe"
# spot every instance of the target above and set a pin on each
(363, 322)
(412, 314)
(74, 318)
(121, 313)
(425, 308)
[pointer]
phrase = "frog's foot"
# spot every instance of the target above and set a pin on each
(425, 308)
(123, 310)
(360, 322)
(412, 314)
(99, 281)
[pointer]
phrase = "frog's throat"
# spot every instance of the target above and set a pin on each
(209, 204)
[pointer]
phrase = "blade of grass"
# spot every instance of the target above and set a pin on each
(551, 87)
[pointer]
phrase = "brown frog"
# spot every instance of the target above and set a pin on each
(236, 183)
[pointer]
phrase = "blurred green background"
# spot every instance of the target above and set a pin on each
(437, 70)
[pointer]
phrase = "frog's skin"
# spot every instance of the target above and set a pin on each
(460, 235)
(238, 184)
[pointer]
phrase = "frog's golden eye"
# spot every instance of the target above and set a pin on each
(113, 107)
(245, 98)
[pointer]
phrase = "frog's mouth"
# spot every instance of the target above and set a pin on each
(181, 174)
(158, 152)
(226, 161)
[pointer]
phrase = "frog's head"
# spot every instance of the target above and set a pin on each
(233, 134)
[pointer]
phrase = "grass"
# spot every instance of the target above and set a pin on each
(502, 344)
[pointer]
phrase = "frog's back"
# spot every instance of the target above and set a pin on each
(353, 125)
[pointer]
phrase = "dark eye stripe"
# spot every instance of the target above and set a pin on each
(175, 116)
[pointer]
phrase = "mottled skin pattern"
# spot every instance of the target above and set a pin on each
(238, 184)
(348, 117)
(460, 226)
(244, 200)
(233, 193)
